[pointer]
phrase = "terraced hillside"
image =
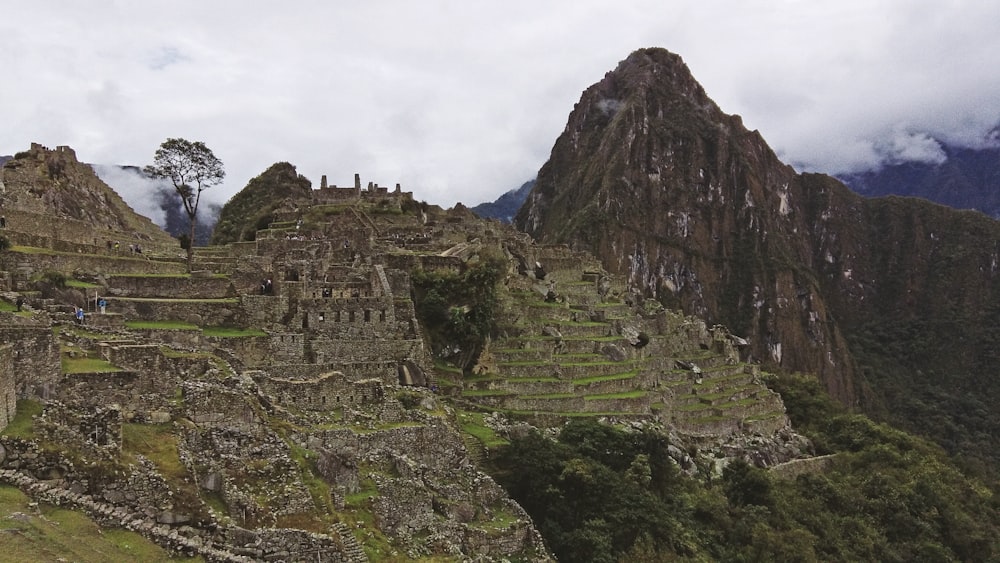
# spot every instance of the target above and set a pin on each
(292, 381)
(576, 346)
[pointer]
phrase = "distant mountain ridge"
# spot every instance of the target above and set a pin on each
(967, 179)
(505, 207)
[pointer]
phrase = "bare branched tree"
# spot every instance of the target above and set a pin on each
(192, 168)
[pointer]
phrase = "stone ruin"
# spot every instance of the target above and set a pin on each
(315, 342)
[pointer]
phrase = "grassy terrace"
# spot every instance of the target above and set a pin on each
(481, 378)
(572, 414)
(533, 363)
(472, 424)
(48, 251)
(88, 365)
(486, 393)
(46, 533)
(542, 338)
(22, 426)
(600, 378)
(11, 308)
(622, 395)
(170, 276)
(81, 284)
(216, 331)
(161, 325)
(231, 332)
(549, 396)
(166, 300)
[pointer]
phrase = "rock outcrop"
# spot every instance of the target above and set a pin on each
(698, 212)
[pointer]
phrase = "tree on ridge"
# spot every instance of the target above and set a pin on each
(192, 168)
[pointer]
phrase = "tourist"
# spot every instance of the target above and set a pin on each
(103, 305)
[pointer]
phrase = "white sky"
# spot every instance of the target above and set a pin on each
(461, 100)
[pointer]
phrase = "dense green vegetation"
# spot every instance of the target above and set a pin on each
(933, 392)
(459, 309)
(599, 493)
(254, 206)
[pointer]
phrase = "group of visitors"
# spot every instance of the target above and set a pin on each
(117, 245)
(266, 287)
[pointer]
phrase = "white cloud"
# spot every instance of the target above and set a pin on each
(911, 147)
(139, 191)
(463, 101)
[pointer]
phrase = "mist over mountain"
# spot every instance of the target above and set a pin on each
(964, 178)
(892, 302)
(157, 200)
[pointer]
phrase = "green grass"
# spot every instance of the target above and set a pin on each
(472, 423)
(227, 300)
(158, 443)
(549, 396)
(45, 533)
(485, 393)
(623, 395)
(318, 489)
(600, 378)
(22, 425)
(8, 307)
(88, 365)
(81, 284)
(165, 325)
(34, 250)
(217, 331)
(171, 275)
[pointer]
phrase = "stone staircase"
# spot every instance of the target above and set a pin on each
(216, 259)
(352, 549)
(476, 449)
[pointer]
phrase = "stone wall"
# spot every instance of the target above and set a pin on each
(35, 354)
(25, 266)
(224, 405)
(325, 393)
(199, 312)
(8, 393)
(386, 371)
(44, 230)
(180, 287)
(365, 350)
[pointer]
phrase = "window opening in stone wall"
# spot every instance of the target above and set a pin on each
(368, 315)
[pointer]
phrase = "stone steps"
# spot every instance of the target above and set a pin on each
(475, 448)
(352, 549)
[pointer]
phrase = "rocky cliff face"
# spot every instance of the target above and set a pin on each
(693, 208)
(698, 212)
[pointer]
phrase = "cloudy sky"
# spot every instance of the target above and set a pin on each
(462, 101)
